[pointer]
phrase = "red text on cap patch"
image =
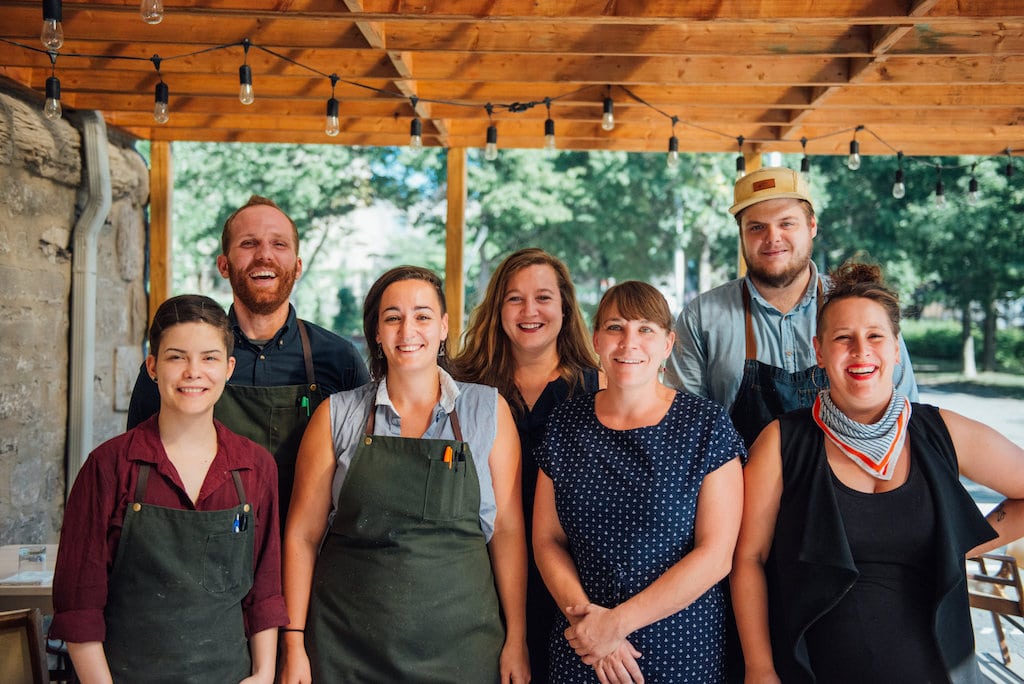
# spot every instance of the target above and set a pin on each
(764, 184)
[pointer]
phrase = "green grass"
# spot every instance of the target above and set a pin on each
(946, 376)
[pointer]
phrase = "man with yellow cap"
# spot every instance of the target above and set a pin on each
(747, 344)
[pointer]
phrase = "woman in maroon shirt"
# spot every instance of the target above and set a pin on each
(169, 562)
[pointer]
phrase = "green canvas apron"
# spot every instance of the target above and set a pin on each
(403, 589)
(275, 418)
(173, 612)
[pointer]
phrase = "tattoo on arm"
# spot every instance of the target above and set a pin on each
(999, 514)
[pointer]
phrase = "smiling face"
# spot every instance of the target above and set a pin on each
(190, 368)
(262, 260)
(776, 237)
(531, 310)
(410, 325)
(858, 349)
(631, 351)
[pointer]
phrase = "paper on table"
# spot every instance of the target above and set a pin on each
(28, 578)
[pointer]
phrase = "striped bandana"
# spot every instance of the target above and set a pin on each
(876, 447)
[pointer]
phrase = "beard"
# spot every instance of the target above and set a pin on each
(796, 268)
(262, 301)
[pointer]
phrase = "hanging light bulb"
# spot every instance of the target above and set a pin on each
(160, 99)
(549, 137)
(741, 162)
(899, 188)
(331, 126)
(52, 109)
(1009, 163)
(152, 11)
(608, 118)
(853, 161)
(416, 134)
(972, 190)
(491, 149)
(245, 94)
(940, 192)
(672, 161)
(52, 33)
(805, 162)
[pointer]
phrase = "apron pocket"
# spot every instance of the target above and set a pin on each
(444, 492)
(224, 561)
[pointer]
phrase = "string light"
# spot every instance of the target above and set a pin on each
(491, 148)
(899, 188)
(161, 95)
(160, 99)
(152, 11)
(940, 189)
(549, 130)
(608, 117)
(245, 93)
(415, 126)
(331, 126)
(52, 33)
(53, 109)
(853, 161)
(741, 163)
(972, 187)
(416, 134)
(672, 161)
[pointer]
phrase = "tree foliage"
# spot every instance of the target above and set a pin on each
(610, 216)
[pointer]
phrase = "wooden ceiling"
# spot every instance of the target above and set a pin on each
(927, 77)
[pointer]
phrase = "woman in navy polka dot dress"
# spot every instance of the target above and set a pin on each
(637, 511)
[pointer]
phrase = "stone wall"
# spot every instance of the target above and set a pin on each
(41, 196)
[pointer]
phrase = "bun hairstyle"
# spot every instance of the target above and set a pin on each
(854, 279)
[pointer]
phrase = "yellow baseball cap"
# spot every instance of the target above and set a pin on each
(773, 182)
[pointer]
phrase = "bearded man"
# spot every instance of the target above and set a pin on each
(284, 366)
(748, 344)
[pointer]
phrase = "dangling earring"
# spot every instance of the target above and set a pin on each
(441, 349)
(380, 351)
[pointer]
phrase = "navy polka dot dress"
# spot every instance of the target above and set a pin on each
(627, 500)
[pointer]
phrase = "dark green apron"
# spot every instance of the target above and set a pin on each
(173, 612)
(275, 418)
(403, 589)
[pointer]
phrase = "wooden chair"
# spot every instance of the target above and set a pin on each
(22, 659)
(995, 586)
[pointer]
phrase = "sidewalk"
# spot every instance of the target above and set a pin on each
(1006, 416)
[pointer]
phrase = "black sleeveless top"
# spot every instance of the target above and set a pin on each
(813, 563)
(881, 628)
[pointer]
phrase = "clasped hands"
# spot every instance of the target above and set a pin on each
(597, 635)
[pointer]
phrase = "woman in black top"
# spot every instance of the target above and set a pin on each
(528, 339)
(850, 561)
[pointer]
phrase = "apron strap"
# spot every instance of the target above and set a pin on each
(140, 485)
(307, 356)
(453, 416)
(748, 321)
(238, 487)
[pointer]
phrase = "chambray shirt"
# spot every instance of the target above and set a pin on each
(477, 407)
(711, 341)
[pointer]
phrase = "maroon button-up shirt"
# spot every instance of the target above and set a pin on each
(94, 517)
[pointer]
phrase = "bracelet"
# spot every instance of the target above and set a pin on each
(290, 629)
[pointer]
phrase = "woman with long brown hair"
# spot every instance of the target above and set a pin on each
(527, 338)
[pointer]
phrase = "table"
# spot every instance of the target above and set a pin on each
(31, 596)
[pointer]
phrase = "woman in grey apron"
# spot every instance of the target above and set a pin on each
(183, 512)
(405, 547)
